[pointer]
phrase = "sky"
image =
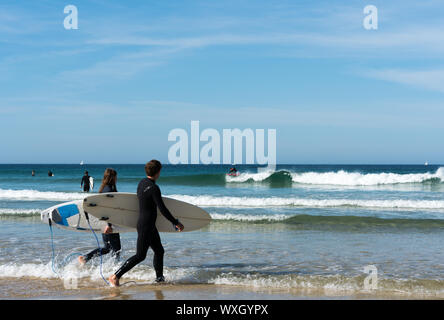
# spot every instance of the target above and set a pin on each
(112, 90)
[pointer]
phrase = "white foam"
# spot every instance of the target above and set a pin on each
(91, 271)
(334, 283)
(33, 195)
(243, 177)
(343, 178)
(249, 217)
(11, 212)
(37, 270)
(211, 201)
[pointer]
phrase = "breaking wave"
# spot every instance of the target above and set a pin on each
(339, 178)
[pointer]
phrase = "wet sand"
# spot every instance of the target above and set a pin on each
(35, 288)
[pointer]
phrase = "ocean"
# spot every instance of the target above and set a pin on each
(301, 230)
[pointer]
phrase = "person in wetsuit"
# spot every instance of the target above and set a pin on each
(233, 170)
(150, 198)
(85, 182)
(110, 239)
(50, 174)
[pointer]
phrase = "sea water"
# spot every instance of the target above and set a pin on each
(301, 227)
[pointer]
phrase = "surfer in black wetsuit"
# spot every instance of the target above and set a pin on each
(85, 182)
(150, 199)
(110, 239)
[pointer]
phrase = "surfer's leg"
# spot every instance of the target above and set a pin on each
(98, 251)
(90, 255)
(143, 244)
(157, 247)
(114, 243)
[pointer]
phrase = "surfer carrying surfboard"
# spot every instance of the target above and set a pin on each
(150, 198)
(85, 182)
(110, 239)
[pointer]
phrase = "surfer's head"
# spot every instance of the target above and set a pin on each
(152, 169)
(86, 173)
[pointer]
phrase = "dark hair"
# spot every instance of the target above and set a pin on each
(86, 172)
(152, 168)
(109, 179)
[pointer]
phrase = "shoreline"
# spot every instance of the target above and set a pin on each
(53, 289)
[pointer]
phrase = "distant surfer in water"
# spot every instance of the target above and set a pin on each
(86, 182)
(233, 171)
(33, 173)
(50, 174)
(150, 198)
(110, 239)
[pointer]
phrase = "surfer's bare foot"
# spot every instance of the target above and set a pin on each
(82, 260)
(113, 280)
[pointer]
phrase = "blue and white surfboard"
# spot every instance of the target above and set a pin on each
(70, 216)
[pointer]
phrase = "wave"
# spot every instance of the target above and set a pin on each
(34, 195)
(211, 201)
(286, 178)
(249, 217)
(19, 212)
(339, 178)
(343, 178)
(334, 284)
(332, 222)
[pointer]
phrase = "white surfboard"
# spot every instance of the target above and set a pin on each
(70, 216)
(91, 183)
(122, 209)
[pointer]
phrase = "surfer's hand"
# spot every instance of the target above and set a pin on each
(179, 227)
(108, 229)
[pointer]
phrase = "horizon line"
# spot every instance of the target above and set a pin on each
(241, 164)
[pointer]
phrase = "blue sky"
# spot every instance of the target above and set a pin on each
(111, 91)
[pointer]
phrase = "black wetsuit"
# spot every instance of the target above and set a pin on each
(150, 198)
(85, 183)
(111, 240)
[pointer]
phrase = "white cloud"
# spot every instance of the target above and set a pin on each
(427, 79)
